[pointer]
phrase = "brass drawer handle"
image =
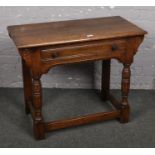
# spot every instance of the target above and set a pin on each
(55, 55)
(114, 47)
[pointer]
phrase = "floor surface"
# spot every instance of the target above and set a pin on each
(16, 127)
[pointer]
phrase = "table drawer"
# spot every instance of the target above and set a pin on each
(88, 51)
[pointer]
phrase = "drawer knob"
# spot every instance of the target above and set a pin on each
(55, 55)
(114, 47)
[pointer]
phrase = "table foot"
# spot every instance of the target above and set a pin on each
(39, 130)
(125, 113)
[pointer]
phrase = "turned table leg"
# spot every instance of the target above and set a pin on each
(105, 85)
(27, 83)
(125, 109)
(38, 123)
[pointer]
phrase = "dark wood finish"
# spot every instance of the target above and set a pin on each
(97, 50)
(27, 83)
(105, 84)
(38, 123)
(125, 109)
(52, 33)
(37, 103)
(45, 45)
(102, 116)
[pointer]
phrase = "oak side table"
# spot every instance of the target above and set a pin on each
(45, 45)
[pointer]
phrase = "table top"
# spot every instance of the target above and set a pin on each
(62, 32)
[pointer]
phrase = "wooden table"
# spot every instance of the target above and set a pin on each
(45, 45)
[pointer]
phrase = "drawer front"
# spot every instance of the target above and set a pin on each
(83, 52)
